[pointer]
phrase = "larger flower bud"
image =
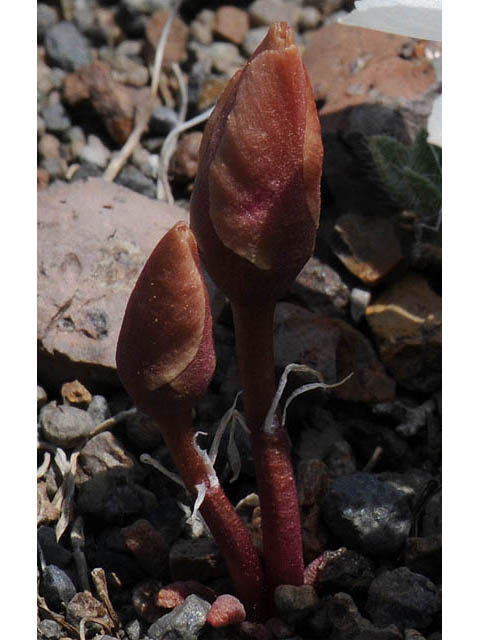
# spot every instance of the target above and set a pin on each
(256, 201)
(165, 355)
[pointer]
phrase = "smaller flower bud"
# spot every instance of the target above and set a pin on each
(165, 355)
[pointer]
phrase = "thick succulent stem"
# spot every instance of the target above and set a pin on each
(228, 530)
(282, 540)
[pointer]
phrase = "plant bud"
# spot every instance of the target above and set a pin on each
(165, 355)
(256, 200)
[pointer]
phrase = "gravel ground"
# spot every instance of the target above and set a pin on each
(112, 530)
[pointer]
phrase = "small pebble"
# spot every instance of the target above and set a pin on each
(367, 514)
(53, 552)
(146, 162)
(46, 17)
(49, 630)
(134, 629)
(225, 611)
(253, 38)
(196, 559)
(132, 178)
(295, 603)
(186, 621)
(162, 120)
(231, 23)
(184, 162)
(98, 409)
(65, 426)
(403, 598)
(264, 12)
(344, 616)
(42, 397)
(95, 152)
(56, 167)
(66, 47)
(49, 147)
(84, 605)
(56, 118)
(201, 27)
(309, 18)
(75, 394)
(56, 587)
(77, 140)
(148, 546)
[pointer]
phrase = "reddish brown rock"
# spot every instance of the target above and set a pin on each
(349, 66)
(225, 611)
(111, 100)
(93, 239)
(184, 162)
(175, 50)
(335, 349)
(406, 323)
(143, 600)
(43, 178)
(210, 91)
(231, 23)
(147, 545)
(175, 593)
(369, 247)
(312, 484)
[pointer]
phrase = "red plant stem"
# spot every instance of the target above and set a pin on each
(282, 538)
(228, 530)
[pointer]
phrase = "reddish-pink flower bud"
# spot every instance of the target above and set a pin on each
(256, 200)
(165, 354)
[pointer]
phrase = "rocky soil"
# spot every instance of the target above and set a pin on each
(112, 530)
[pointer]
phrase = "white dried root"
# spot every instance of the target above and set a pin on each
(271, 424)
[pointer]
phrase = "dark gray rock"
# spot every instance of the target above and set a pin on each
(87, 170)
(53, 553)
(90, 254)
(403, 598)
(432, 518)
(56, 587)
(114, 497)
(64, 425)
(196, 559)
(49, 630)
(66, 47)
(134, 179)
(184, 622)
(163, 119)
(295, 603)
(344, 570)
(143, 431)
(367, 514)
(55, 118)
(134, 629)
(348, 624)
(46, 17)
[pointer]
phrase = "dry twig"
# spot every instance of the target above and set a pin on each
(168, 148)
(143, 119)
